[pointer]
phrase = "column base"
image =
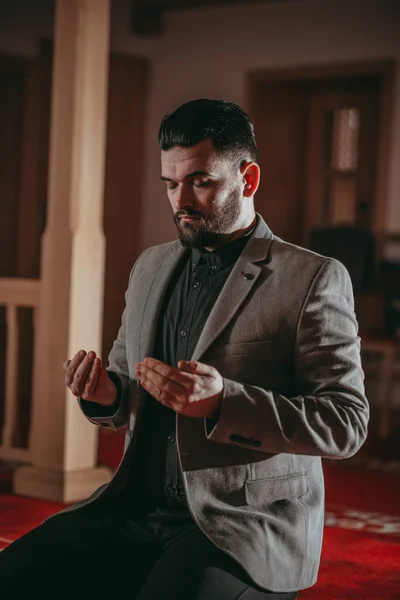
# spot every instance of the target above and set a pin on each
(60, 486)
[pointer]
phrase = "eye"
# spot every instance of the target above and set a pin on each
(171, 186)
(198, 183)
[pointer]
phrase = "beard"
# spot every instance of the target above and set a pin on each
(206, 232)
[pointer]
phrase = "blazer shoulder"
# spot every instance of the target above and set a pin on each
(300, 255)
(295, 261)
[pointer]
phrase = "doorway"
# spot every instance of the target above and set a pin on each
(323, 138)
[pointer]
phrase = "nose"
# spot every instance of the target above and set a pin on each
(182, 198)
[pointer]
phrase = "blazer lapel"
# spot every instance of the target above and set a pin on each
(233, 294)
(155, 297)
(238, 286)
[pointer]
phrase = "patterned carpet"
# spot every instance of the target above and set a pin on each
(361, 548)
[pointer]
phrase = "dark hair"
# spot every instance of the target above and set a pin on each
(224, 123)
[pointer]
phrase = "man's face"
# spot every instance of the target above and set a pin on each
(206, 186)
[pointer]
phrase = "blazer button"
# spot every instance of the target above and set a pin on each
(247, 275)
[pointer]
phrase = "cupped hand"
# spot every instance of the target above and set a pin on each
(87, 379)
(193, 389)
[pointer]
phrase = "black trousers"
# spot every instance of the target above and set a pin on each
(107, 554)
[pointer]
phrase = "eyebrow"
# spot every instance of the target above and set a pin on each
(189, 175)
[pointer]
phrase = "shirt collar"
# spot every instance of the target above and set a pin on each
(222, 256)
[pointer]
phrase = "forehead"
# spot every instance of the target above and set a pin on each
(179, 161)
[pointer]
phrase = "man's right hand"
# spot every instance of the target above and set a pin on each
(87, 379)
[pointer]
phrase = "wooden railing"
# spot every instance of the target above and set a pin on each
(14, 293)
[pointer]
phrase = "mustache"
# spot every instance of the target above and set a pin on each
(194, 215)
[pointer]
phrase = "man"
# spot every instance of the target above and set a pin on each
(236, 368)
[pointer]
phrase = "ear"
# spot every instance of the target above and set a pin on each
(251, 178)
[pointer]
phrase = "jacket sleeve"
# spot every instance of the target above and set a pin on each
(117, 415)
(329, 414)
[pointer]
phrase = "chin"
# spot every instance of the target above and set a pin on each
(189, 241)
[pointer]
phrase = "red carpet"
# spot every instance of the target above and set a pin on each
(357, 565)
(361, 549)
(19, 515)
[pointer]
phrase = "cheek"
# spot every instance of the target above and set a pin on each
(215, 195)
(202, 201)
(220, 198)
(170, 196)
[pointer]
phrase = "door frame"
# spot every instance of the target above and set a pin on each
(385, 69)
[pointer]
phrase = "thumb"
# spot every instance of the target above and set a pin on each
(188, 365)
(196, 367)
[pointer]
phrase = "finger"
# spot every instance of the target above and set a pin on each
(172, 401)
(157, 381)
(196, 367)
(154, 382)
(72, 366)
(81, 374)
(92, 379)
(186, 366)
(177, 376)
(65, 364)
(153, 361)
(159, 386)
(149, 386)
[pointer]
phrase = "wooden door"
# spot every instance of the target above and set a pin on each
(280, 116)
(300, 123)
(342, 159)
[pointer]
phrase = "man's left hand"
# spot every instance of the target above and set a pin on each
(193, 389)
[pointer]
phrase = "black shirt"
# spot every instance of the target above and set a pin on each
(189, 299)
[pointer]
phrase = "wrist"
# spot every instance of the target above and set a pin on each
(114, 384)
(108, 402)
(112, 394)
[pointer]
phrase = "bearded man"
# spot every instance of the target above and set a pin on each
(236, 369)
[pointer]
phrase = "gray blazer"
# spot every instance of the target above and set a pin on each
(286, 345)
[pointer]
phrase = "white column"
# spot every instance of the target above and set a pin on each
(62, 441)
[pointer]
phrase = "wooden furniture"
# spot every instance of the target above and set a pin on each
(387, 349)
(370, 311)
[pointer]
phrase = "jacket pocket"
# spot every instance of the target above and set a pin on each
(272, 489)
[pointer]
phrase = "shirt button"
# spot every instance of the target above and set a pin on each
(196, 285)
(171, 439)
(183, 333)
(214, 267)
